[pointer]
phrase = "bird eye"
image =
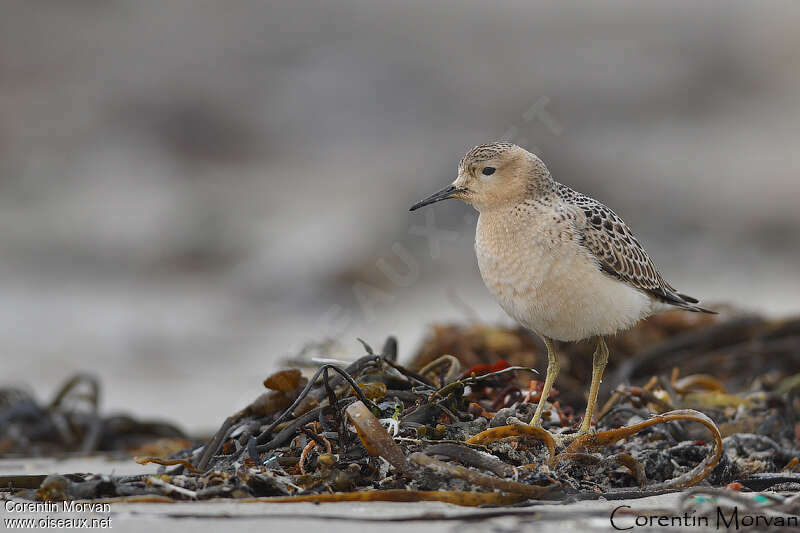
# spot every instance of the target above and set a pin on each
(488, 171)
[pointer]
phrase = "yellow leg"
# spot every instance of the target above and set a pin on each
(552, 372)
(598, 366)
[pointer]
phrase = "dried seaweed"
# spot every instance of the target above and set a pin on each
(452, 425)
(72, 423)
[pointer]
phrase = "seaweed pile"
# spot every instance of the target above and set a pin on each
(452, 425)
(72, 423)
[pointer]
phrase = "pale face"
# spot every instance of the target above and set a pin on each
(495, 182)
(493, 176)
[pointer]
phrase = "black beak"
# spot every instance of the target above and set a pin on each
(444, 194)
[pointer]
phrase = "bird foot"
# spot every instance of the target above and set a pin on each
(558, 439)
(562, 440)
(569, 438)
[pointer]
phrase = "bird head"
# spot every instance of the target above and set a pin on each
(495, 175)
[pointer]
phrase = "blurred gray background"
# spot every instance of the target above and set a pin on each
(192, 190)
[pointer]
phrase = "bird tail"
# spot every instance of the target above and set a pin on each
(684, 301)
(672, 297)
(698, 309)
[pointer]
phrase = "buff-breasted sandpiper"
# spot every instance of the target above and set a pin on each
(561, 263)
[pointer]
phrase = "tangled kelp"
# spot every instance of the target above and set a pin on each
(453, 427)
(72, 423)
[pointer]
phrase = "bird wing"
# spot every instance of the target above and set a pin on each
(606, 236)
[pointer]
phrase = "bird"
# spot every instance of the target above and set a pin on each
(560, 263)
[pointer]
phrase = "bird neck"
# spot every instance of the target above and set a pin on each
(539, 181)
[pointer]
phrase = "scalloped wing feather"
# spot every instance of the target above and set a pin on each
(617, 250)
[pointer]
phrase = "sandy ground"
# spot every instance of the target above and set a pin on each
(429, 516)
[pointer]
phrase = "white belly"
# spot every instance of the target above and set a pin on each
(553, 287)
